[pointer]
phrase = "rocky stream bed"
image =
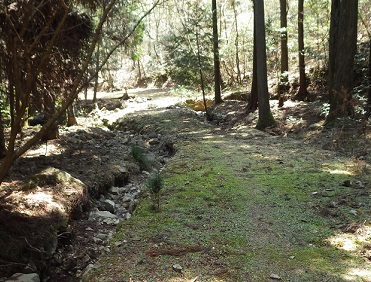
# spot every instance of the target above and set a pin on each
(65, 198)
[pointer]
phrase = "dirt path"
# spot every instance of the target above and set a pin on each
(244, 206)
(139, 98)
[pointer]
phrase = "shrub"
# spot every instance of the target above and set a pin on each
(154, 185)
(140, 155)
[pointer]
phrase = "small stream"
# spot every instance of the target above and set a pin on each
(88, 238)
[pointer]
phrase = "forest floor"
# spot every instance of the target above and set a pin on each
(237, 204)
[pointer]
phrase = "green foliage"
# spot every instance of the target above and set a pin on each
(141, 156)
(183, 91)
(154, 185)
(362, 81)
(4, 106)
(121, 21)
(181, 49)
(136, 49)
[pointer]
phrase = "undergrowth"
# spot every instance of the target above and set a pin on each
(154, 185)
(141, 156)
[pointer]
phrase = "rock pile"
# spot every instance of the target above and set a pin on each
(90, 236)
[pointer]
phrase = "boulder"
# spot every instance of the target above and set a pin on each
(21, 277)
(109, 205)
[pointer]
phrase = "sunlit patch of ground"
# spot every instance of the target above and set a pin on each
(355, 239)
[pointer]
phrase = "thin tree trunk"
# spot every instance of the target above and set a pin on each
(2, 138)
(369, 66)
(284, 78)
(302, 94)
(13, 154)
(96, 78)
(218, 96)
(239, 78)
(208, 117)
(252, 105)
(369, 80)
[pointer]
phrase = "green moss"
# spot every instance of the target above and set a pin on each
(255, 205)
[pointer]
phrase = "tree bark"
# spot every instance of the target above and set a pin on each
(22, 95)
(369, 80)
(96, 78)
(284, 77)
(218, 96)
(252, 105)
(302, 94)
(343, 41)
(237, 43)
(2, 138)
(71, 118)
(265, 116)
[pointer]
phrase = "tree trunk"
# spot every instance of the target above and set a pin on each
(52, 132)
(343, 41)
(265, 116)
(252, 105)
(237, 43)
(218, 96)
(12, 153)
(302, 94)
(2, 138)
(71, 118)
(284, 77)
(208, 115)
(369, 81)
(96, 78)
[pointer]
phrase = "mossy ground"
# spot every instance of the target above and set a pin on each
(240, 207)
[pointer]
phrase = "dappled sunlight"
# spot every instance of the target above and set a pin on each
(196, 278)
(40, 199)
(357, 238)
(211, 138)
(48, 192)
(45, 150)
(340, 171)
(337, 168)
(344, 242)
(358, 274)
(356, 241)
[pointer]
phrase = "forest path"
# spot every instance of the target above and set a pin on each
(243, 206)
(139, 98)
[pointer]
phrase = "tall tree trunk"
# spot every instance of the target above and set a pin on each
(218, 96)
(265, 115)
(96, 78)
(284, 77)
(237, 43)
(2, 138)
(369, 80)
(208, 115)
(343, 43)
(302, 94)
(252, 105)
(3, 92)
